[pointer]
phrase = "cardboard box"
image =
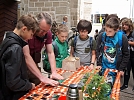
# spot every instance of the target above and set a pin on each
(70, 64)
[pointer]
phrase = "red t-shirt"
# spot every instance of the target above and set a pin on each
(36, 43)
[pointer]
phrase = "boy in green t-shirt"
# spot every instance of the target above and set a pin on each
(60, 47)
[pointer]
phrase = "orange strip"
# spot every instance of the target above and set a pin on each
(106, 73)
(118, 87)
(114, 90)
(89, 79)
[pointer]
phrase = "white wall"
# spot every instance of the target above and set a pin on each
(119, 7)
(85, 9)
(131, 14)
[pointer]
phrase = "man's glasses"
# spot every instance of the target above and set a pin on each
(43, 31)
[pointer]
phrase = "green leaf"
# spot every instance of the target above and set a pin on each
(97, 88)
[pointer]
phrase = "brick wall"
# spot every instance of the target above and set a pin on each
(57, 8)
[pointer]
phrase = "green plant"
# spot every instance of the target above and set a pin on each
(97, 88)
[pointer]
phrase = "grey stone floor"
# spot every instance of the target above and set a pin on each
(127, 94)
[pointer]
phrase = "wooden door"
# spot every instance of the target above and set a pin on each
(8, 16)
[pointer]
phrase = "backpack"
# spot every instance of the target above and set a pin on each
(56, 52)
(3, 47)
(56, 49)
(90, 42)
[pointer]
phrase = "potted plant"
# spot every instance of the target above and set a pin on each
(97, 88)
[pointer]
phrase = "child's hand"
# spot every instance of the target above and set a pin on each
(33, 86)
(91, 67)
(98, 67)
(122, 73)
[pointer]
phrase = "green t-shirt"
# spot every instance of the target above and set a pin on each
(62, 54)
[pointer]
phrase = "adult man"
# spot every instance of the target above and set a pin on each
(32, 51)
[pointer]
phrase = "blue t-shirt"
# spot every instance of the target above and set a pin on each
(109, 57)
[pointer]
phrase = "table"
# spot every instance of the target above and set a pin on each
(45, 92)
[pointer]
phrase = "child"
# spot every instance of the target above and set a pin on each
(112, 48)
(65, 19)
(60, 47)
(84, 46)
(105, 20)
(14, 82)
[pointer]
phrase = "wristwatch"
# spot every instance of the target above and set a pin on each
(92, 63)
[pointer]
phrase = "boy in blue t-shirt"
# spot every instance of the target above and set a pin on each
(110, 54)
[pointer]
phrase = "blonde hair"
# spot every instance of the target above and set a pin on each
(62, 28)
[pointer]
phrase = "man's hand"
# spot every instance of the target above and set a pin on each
(57, 76)
(49, 81)
(122, 73)
(33, 86)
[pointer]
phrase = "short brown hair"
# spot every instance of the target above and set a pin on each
(65, 17)
(113, 22)
(110, 16)
(28, 21)
(62, 28)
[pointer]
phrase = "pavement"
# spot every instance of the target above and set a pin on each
(126, 94)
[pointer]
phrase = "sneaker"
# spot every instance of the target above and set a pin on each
(124, 87)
